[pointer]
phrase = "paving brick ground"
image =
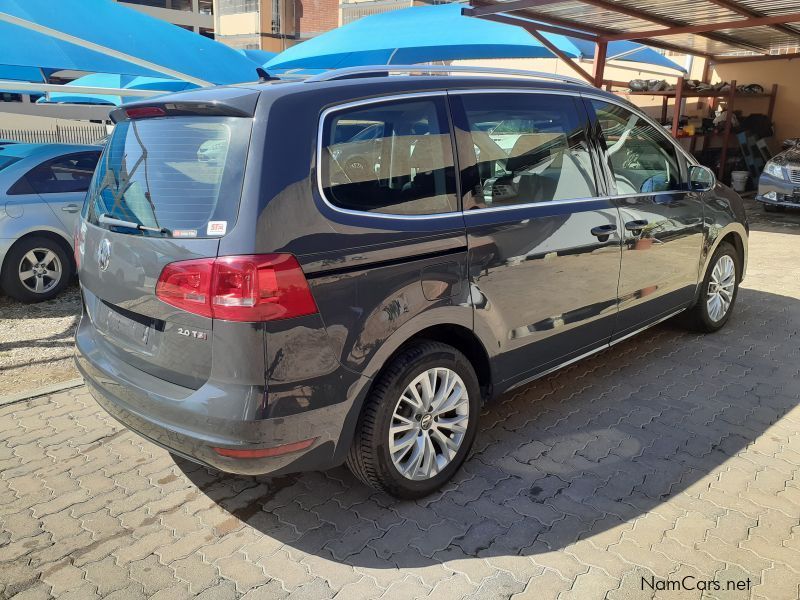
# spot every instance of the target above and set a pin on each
(669, 456)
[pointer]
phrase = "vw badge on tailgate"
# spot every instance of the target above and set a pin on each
(104, 254)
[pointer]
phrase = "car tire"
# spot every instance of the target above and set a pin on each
(42, 256)
(716, 291)
(427, 428)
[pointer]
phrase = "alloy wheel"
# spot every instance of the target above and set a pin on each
(721, 287)
(429, 424)
(40, 270)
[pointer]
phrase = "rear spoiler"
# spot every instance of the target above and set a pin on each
(207, 102)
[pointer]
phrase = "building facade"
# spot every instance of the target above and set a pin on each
(272, 25)
(194, 15)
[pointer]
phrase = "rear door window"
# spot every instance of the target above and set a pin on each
(181, 174)
(390, 157)
(528, 148)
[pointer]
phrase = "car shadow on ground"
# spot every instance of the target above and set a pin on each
(568, 457)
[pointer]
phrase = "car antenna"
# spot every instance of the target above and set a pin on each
(263, 76)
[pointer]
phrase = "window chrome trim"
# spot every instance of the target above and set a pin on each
(367, 102)
(444, 93)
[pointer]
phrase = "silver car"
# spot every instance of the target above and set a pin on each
(42, 187)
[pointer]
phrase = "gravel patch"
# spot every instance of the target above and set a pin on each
(36, 342)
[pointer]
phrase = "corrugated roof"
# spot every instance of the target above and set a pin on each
(612, 17)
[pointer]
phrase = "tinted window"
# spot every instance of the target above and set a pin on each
(72, 173)
(641, 158)
(528, 148)
(392, 157)
(180, 173)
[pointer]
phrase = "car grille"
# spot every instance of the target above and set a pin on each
(794, 174)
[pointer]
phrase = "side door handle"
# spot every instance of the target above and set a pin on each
(636, 227)
(603, 232)
(71, 208)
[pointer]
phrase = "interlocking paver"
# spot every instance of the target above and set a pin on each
(671, 454)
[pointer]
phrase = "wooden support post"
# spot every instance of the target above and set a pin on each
(664, 105)
(676, 116)
(723, 159)
(773, 97)
(600, 55)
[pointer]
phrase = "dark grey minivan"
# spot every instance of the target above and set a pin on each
(290, 275)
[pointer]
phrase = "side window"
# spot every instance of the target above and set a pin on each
(390, 157)
(528, 148)
(641, 158)
(71, 173)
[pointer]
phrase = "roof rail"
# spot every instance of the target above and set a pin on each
(365, 71)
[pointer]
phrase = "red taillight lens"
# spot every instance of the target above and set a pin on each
(145, 112)
(265, 452)
(238, 288)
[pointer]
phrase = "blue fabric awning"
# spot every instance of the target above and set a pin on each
(113, 27)
(413, 35)
(113, 81)
(627, 51)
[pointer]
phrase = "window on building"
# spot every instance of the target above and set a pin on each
(528, 148)
(391, 157)
(640, 156)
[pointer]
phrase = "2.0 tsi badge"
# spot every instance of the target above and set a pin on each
(104, 254)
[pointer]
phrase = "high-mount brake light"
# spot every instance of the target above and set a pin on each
(145, 112)
(250, 288)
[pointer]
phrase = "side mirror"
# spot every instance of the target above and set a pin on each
(701, 179)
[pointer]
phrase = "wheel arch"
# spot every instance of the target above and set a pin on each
(53, 235)
(736, 235)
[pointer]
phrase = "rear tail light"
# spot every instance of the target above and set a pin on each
(263, 287)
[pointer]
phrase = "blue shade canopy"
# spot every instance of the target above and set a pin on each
(116, 28)
(113, 81)
(258, 56)
(413, 35)
(627, 51)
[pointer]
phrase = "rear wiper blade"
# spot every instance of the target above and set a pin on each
(106, 220)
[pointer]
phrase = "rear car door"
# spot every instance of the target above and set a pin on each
(544, 248)
(62, 183)
(662, 219)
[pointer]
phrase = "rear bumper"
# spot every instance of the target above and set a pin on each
(191, 423)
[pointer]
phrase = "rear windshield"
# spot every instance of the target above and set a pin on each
(180, 175)
(7, 161)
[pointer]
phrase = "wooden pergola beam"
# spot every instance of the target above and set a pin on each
(551, 24)
(541, 27)
(748, 12)
(567, 59)
(729, 60)
(670, 23)
(706, 27)
(511, 5)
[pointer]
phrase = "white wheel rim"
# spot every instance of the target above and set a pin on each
(429, 424)
(721, 287)
(40, 270)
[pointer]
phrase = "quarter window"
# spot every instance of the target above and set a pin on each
(640, 157)
(528, 148)
(390, 157)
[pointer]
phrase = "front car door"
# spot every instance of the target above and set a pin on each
(662, 220)
(544, 248)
